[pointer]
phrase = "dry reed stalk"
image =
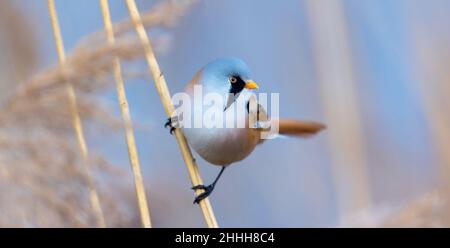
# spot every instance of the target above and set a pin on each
(163, 91)
(340, 103)
(432, 89)
(77, 125)
(128, 125)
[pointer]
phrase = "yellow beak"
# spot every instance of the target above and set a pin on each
(251, 85)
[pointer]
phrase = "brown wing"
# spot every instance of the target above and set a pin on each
(258, 117)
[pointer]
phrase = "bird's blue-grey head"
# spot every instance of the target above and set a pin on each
(227, 73)
(227, 76)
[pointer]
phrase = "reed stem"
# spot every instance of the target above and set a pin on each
(76, 121)
(339, 95)
(128, 125)
(163, 91)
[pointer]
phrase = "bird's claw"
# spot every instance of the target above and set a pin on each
(169, 123)
(208, 190)
(201, 187)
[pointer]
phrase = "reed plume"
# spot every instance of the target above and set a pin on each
(39, 159)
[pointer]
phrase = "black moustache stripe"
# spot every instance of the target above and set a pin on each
(237, 87)
(235, 90)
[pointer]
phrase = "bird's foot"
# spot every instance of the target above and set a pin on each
(170, 123)
(208, 190)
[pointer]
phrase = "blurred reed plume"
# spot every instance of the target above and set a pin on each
(18, 48)
(41, 176)
(428, 210)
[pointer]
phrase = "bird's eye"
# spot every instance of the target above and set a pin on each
(233, 80)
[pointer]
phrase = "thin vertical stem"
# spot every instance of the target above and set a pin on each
(335, 75)
(432, 87)
(163, 91)
(76, 121)
(128, 125)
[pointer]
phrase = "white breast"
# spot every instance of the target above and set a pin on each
(222, 146)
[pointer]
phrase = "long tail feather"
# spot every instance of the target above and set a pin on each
(299, 128)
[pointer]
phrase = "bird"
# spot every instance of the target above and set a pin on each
(221, 146)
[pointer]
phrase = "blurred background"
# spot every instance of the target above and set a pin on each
(374, 71)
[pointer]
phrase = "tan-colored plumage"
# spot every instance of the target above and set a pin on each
(299, 128)
(287, 127)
